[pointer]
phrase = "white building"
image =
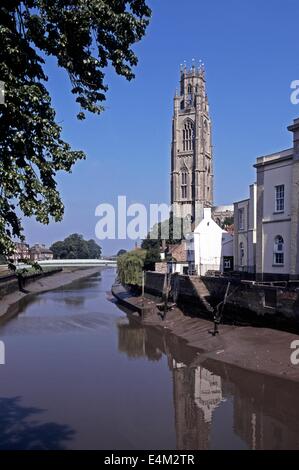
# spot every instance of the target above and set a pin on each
(245, 233)
(209, 247)
(267, 224)
(274, 215)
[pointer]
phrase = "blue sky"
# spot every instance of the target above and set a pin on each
(250, 50)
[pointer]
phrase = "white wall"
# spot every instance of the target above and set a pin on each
(206, 241)
(247, 235)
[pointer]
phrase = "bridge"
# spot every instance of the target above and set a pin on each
(78, 263)
(72, 263)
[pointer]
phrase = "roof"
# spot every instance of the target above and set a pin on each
(224, 208)
(178, 251)
(38, 249)
(274, 157)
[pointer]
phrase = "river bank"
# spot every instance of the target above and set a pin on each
(9, 302)
(80, 373)
(257, 349)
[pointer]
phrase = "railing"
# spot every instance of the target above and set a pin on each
(74, 263)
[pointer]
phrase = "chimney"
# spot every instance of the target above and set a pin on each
(295, 129)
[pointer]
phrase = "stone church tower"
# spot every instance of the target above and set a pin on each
(191, 150)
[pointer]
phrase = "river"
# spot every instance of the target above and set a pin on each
(81, 374)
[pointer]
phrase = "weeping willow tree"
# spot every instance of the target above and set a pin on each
(131, 340)
(130, 266)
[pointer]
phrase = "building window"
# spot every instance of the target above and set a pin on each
(184, 185)
(227, 264)
(184, 192)
(242, 253)
(189, 95)
(182, 104)
(278, 250)
(188, 136)
(241, 218)
(279, 198)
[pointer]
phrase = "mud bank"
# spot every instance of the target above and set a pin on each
(9, 303)
(257, 349)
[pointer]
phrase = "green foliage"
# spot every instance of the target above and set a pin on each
(228, 221)
(75, 247)
(95, 251)
(121, 252)
(3, 259)
(31, 267)
(170, 230)
(84, 37)
(26, 272)
(152, 248)
(130, 266)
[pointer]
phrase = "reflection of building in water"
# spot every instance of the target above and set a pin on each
(132, 339)
(255, 422)
(265, 408)
(197, 392)
(208, 392)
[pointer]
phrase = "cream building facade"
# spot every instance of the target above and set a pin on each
(245, 233)
(191, 150)
(267, 224)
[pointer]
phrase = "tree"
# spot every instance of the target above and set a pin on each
(95, 251)
(84, 37)
(75, 247)
(121, 252)
(59, 250)
(152, 249)
(130, 266)
(170, 230)
(228, 222)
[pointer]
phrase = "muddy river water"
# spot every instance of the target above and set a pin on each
(82, 374)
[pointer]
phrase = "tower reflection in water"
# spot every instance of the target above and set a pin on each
(265, 409)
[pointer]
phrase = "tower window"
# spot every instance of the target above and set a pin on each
(188, 136)
(182, 104)
(184, 185)
(189, 95)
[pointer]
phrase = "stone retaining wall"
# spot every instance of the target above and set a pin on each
(184, 289)
(12, 284)
(279, 300)
(247, 299)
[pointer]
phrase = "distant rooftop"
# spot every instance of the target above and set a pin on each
(224, 208)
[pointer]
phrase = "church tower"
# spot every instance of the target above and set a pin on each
(191, 150)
